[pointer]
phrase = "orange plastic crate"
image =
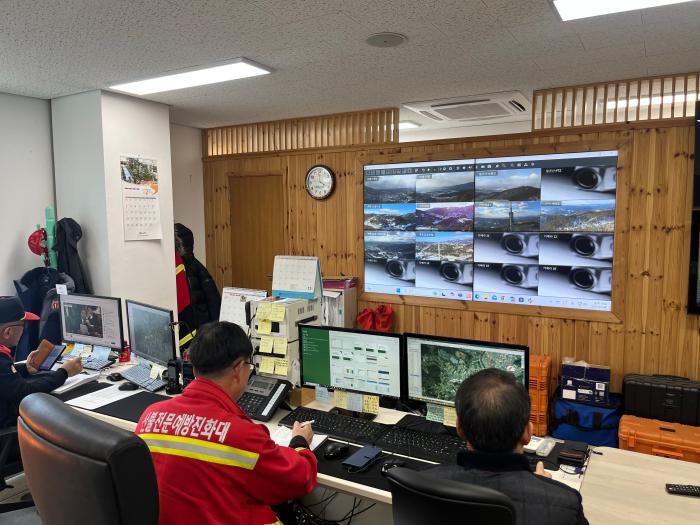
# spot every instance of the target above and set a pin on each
(540, 370)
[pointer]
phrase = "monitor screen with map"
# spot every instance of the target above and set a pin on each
(438, 365)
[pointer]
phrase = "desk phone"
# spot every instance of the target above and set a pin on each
(263, 396)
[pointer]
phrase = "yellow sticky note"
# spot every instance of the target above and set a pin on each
(266, 343)
(87, 350)
(263, 312)
(281, 367)
(264, 327)
(281, 345)
(340, 399)
(267, 365)
(370, 404)
(68, 349)
(277, 313)
(450, 417)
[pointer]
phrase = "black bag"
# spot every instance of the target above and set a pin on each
(666, 398)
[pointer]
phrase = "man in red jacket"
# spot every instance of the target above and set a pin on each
(213, 463)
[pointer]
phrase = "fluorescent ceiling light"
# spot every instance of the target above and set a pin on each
(240, 68)
(575, 9)
(408, 124)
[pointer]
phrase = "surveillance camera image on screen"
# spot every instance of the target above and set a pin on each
(577, 249)
(579, 183)
(525, 216)
(576, 282)
(390, 189)
(444, 260)
(578, 216)
(492, 216)
(445, 216)
(83, 320)
(400, 217)
(520, 279)
(444, 367)
(390, 258)
(445, 187)
(507, 185)
(511, 247)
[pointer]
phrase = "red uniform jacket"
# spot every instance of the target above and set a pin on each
(215, 466)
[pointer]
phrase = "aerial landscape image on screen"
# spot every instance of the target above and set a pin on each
(454, 216)
(445, 187)
(443, 368)
(578, 216)
(438, 246)
(507, 185)
(390, 189)
(390, 217)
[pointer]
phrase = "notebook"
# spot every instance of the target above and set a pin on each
(283, 435)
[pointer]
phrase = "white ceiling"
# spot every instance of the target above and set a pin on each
(50, 48)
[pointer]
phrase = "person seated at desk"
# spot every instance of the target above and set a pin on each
(213, 463)
(493, 416)
(18, 380)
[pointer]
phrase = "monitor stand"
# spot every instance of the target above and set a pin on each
(421, 424)
(361, 415)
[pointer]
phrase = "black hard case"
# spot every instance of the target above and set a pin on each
(666, 398)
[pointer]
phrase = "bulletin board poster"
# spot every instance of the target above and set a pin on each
(140, 198)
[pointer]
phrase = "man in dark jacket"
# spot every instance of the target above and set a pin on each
(19, 380)
(493, 416)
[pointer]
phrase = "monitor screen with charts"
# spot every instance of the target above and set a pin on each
(438, 365)
(150, 332)
(341, 359)
(91, 320)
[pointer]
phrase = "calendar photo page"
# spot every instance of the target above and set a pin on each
(531, 230)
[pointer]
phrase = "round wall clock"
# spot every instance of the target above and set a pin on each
(320, 181)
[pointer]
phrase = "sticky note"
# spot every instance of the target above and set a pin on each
(264, 327)
(370, 404)
(322, 395)
(354, 402)
(68, 349)
(61, 289)
(340, 399)
(277, 312)
(281, 366)
(266, 343)
(267, 365)
(435, 413)
(263, 312)
(450, 417)
(157, 371)
(280, 345)
(87, 350)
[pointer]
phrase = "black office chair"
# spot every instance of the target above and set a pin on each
(418, 499)
(81, 470)
(17, 511)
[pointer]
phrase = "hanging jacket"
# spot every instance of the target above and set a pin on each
(215, 465)
(205, 299)
(68, 233)
(37, 291)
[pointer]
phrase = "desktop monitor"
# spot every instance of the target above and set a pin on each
(353, 360)
(436, 366)
(151, 334)
(92, 320)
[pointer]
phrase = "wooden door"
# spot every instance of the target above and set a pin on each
(257, 228)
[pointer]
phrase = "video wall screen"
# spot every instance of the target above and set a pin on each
(535, 230)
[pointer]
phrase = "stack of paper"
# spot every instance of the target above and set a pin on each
(283, 435)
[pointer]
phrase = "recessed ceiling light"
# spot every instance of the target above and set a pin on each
(408, 124)
(240, 68)
(575, 9)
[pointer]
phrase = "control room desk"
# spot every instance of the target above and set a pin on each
(619, 486)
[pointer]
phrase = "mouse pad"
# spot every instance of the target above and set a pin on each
(130, 408)
(371, 477)
(87, 388)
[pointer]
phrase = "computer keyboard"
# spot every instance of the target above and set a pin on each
(90, 363)
(441, 448)
(141, 376)
(336, 425)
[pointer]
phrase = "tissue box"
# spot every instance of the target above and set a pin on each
(586, 383)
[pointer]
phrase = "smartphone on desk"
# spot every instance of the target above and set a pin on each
(361, 459)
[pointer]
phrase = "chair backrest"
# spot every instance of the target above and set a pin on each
(419, 499)
(82, 470)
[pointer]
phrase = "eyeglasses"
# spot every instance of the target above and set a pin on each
(248, 361)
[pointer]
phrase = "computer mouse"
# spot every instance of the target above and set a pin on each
(335, 450)
(128, 386)
(390, 464)
(115, 376)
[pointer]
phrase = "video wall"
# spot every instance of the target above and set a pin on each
(535, 230)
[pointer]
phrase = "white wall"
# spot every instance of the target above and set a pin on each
(80, 182)
(188, 183)
(26, 182)
(91, 131)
